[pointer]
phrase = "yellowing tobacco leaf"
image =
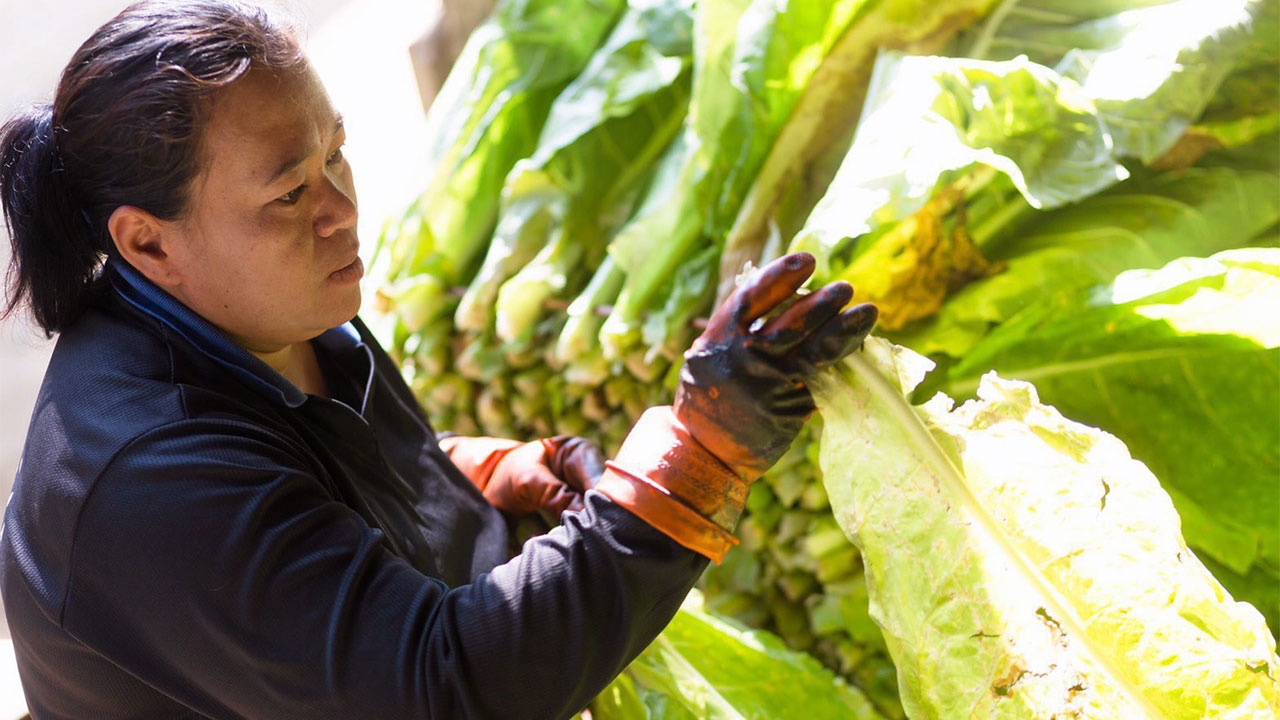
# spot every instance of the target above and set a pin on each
(1022, 565)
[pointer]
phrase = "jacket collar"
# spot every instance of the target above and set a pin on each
(203, 335)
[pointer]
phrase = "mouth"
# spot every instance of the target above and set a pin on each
(351, 272)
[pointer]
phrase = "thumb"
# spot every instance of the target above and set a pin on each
(577, 461)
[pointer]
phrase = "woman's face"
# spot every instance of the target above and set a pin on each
(268, 248)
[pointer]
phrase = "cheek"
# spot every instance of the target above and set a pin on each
(280, 270)
(250, 265)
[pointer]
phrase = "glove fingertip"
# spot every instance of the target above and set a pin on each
(835, 340)
(860, 318)
(769, 287)
(844, 287)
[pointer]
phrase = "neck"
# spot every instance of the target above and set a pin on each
(298, 364)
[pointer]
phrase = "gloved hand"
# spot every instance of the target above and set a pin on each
(519, 479)
(742, 391)
(686, 469)
(548, 475)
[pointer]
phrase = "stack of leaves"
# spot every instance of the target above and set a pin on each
(1029, 156)
(573, 229)
(986, 172)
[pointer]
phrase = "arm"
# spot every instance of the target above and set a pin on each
(213, 565)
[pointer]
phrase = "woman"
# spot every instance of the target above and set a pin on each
(229, 503)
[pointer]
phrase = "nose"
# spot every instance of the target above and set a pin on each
(338, 210)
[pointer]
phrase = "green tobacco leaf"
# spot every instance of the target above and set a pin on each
(774, 84)
(751, 87)
(488, 115)
(1151, 68)
(1174, 58)
(1048, 30)
(1251, 87)
(533, 206)
(752, 61)
(832, 75)
(577, 349)
(1025, 566)
(648, 50)
(662, 234)
(666, 227)
(703, 667)
(1248, 103)
(1183, 365)
(930, 121)
(1137, 225)
(935, 129)
(603, 135)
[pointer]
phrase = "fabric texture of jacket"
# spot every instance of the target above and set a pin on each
(190, 535)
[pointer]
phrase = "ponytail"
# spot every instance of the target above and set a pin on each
(56, 254)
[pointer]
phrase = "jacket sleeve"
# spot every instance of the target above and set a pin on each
(211, 563)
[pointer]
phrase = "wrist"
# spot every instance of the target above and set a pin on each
(667, 478)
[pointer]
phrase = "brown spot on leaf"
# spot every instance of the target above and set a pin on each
(1193, 144)
(918, 263)
(1004, 685)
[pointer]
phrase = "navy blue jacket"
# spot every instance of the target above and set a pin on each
(192, 536)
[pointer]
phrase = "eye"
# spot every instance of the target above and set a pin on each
(293, 196)
(335, 157)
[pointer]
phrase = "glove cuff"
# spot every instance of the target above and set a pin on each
(672, 482)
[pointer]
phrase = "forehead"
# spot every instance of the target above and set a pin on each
(264, 118)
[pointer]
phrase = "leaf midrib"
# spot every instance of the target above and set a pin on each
(934, 457)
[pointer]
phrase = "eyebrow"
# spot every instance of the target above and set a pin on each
(294, 161)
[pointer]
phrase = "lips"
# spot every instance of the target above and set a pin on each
(350, 272)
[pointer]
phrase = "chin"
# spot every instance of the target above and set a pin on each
(349, 306)
(335, 308)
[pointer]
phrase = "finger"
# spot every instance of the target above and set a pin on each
(836, 339)
(575, 460)
(585, 464)
(781, 334)
(558, 500)
(773, 284)
(539, 489)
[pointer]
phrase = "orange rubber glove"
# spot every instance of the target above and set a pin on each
(742, 391)
(739, 405)
(520, 479)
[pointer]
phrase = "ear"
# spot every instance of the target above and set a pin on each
(139, 238)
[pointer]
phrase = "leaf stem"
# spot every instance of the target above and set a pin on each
(982, 43)
(1006, 214)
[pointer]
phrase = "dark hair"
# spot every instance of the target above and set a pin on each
(124, 129)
